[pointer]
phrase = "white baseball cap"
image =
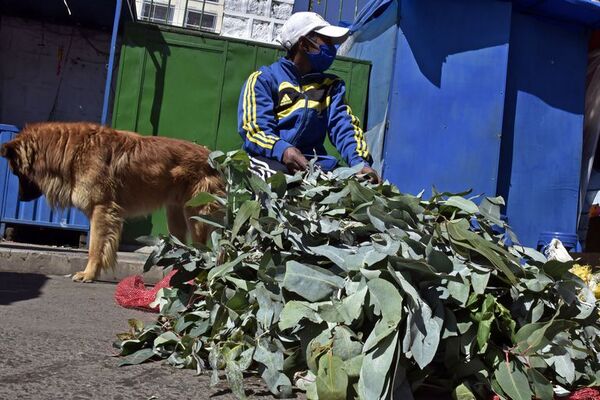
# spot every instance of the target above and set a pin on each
(302, 23)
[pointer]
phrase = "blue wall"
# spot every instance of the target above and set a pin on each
(36, 212)
(338, 12)
(485, 95)
(543, 126)
(445, 112)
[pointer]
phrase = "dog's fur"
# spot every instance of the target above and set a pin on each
(111, 175)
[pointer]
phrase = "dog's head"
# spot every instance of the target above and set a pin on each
(28, 190)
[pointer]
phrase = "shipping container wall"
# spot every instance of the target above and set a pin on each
(445, 111)
(36, 212)
(543, 126)
(187, 86)
(337, 12)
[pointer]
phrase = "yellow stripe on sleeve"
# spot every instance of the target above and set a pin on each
(249, 109)
(361, 145)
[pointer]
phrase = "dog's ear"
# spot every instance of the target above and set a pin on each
(7, 150)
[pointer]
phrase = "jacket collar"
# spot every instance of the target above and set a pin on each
(290, 68)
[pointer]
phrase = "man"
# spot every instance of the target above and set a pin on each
(287, 108)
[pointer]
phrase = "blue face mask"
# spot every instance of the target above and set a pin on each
(322, 60)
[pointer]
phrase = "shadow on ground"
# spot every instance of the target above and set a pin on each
(16, 287)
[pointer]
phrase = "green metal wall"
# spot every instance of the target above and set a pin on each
(177, 84)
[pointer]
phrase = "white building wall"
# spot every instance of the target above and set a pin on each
(258, 20)
(179, 9)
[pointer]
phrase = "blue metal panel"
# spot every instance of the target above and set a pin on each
(445, 113)
(337, 12)
(333, 11)
(543, 125)
(581, 12)
(35, 212)
(6, 133)
(301, 5)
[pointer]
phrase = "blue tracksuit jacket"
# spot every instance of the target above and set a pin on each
(278, 109)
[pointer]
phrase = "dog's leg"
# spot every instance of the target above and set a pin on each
(200, 231)
(106, 224)
(176, 222)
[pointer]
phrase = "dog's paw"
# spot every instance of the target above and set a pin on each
(81, 276)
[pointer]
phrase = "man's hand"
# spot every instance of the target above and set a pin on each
(373, 176)
(294, 159)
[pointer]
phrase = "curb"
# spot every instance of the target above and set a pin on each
(48, 260)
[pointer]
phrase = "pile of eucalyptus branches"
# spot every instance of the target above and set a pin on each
(344, 289)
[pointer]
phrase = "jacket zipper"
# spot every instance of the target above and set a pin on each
(304, 115)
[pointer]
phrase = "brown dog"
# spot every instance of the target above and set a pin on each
(111, 175)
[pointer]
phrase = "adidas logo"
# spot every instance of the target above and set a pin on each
(285, 100)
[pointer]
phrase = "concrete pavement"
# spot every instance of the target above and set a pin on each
(56, 343)
(53, 260)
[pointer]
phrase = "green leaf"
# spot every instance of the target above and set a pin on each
(226, 268)
(332, 380)
(459, 231)
(541, 385)
(235, 379)
(353, 366)
(249, 209)
(462, 392)
(167, 337)
(336, 197)
(479, 281)
(462, 204)
(272, 360)
(425, 326)
(311, 282)
(376, 368)
(137, 358)
(513, 381)
(535, 336)
(294, 311)
(210, 220)
(490, 208)
(346, 344)
(387, 300)
(556, 269)
(564, 366)
(204, 198)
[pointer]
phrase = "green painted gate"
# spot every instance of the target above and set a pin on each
(186, 85)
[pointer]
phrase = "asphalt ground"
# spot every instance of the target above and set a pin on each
(56, 343)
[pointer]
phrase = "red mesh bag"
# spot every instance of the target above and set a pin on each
(132, 293)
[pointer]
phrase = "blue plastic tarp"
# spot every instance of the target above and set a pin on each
(372, 10)
(374, 39)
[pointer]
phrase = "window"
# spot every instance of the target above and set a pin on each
(157, 12)
(192, 20)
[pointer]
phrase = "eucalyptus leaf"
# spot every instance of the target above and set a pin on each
(513, 381)
(353, 289)
(332, 379)
(311, 282)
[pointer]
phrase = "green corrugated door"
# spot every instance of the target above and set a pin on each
(177, 84)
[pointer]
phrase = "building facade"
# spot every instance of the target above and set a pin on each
(258, 20)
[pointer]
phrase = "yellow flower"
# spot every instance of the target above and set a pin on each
(584, 272)
(597, 291)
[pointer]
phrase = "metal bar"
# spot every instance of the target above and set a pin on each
(111, 61)
(185, 12)
(151, 12)
(167, 13)
(202, 13)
